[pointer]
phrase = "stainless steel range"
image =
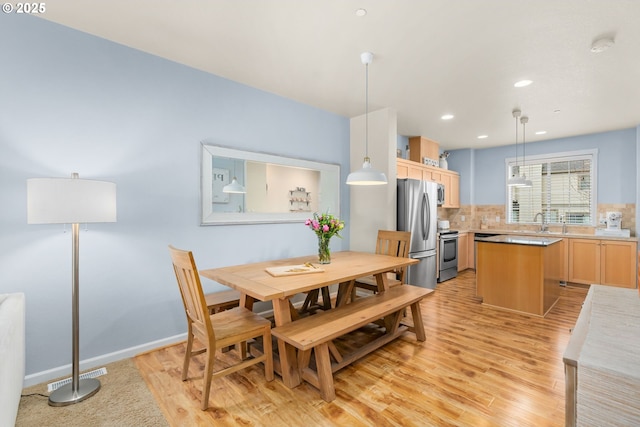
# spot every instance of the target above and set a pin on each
(448, 254)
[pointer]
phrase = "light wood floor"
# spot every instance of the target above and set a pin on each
(479, 367)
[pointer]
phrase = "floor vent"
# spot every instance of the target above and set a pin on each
(91, 374)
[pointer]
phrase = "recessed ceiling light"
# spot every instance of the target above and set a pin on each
(602, 44)
(522, 83)
(361, 12)
(541, 132)
(483, 136)
(447, 117)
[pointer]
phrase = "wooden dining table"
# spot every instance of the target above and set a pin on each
(255, 283)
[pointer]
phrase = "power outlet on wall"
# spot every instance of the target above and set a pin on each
(497, 220)
(462, 218)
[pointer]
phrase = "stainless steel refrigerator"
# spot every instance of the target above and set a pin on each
(417, 213)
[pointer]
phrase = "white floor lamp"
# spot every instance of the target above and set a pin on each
(71, 201)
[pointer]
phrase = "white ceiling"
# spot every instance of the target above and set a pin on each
(431, 57)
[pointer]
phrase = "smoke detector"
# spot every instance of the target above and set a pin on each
(602, 44)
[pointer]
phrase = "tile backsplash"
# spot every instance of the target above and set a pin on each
(470, 217)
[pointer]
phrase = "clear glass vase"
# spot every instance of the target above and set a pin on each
(324, 253)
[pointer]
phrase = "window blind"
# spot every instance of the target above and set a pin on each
(562, 190)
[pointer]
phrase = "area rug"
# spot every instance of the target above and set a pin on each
(123, 401)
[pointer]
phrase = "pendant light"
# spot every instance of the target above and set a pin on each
(235, 186)
(517, 180)
(526, 182)
(367, 175)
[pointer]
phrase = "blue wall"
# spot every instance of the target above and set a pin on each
(71, 102)
(482, 172)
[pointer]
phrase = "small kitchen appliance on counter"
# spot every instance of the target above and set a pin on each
(614, 220)
(614, 226)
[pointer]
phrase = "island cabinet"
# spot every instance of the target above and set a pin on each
(519, 273)
(604, 262)
(449, 179)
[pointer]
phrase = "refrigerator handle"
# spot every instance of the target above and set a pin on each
(428, 211)
(424, 218)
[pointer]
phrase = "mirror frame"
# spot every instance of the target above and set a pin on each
(328, 196)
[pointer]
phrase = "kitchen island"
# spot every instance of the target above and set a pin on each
(519, 273)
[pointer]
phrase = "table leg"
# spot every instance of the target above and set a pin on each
(344, 292)
(382, 281)
(418, 326)
(286, 352)
(246, 301)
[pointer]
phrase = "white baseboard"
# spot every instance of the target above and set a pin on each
(61, 371)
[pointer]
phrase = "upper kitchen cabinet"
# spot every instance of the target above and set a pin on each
(424, 151)
(450, 179)
(451, 182)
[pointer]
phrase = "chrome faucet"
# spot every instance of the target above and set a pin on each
(543, 226)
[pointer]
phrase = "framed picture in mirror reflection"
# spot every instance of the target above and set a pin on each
(220, 178)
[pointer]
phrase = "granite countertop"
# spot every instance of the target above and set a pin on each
(548, 234)
(521, 240)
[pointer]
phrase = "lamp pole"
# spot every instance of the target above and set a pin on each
(78, 390)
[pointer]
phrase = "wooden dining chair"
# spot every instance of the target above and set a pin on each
(388, 242)
(235, 326)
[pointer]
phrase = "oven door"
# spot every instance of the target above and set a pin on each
(448, 251)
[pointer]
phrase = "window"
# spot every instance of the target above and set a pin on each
(564, 189)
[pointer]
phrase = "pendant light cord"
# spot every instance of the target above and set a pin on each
(523, 142)
(517, 164)
(366, 112)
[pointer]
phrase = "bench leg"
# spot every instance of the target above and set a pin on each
(335, 352)
(325, 375)
(392, 321)
(418, 326)
(304, 357)
(286, 352)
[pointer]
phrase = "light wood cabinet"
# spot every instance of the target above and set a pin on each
(452, 193)
(463, 251)
(518, 277)
(421, 147)
(604, 262)
(618, 263)
(471, 250)
(450, 179)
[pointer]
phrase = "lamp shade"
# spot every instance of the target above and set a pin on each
(366, 176)
(234, 187)
(519, 181)
(70, 201)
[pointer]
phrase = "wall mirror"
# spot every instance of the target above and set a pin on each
(278, 189)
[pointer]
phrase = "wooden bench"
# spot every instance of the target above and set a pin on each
(223, 300)
(317, 331)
